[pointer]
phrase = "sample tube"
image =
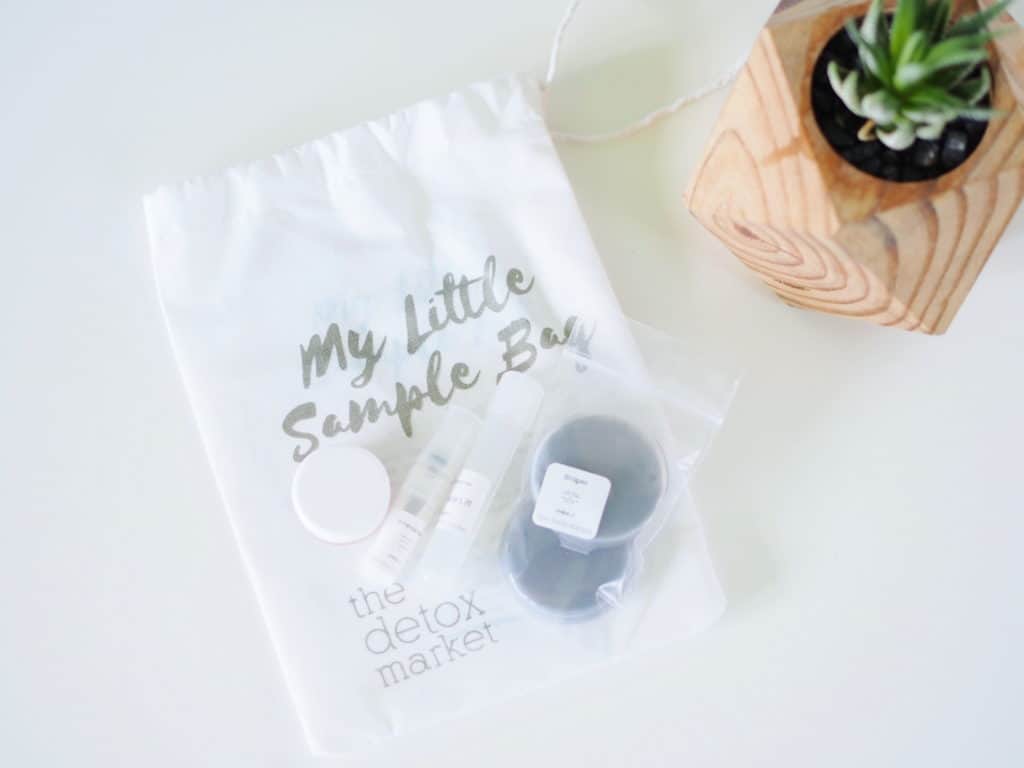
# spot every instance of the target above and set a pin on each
(416, 506)
(509, 417)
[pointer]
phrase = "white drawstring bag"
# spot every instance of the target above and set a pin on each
(348, 290)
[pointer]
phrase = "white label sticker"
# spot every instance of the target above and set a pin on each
(396, 542)
(571, 501)
(465, 502)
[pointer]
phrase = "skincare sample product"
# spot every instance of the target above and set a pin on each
(603, 451)
(509, 417)
(420, 497)
(341, 493)
(561, 583)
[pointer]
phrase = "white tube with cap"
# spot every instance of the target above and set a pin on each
(415, 507)
(511, 413)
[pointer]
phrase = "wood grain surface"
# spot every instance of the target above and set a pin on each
(823, 234)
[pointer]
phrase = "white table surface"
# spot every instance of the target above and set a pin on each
(864, 502)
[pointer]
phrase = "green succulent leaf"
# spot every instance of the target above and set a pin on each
(960, 53)
(974, 90)
(846, 86)
(913, 50)
(939, 19)
(979, 22)
(969, 49)
(930, 96)
(904, 22)
(930, 131)
(911, 75)
(898, 137)
(873, 29)
(874, 57)
(836, 75)
(929, 115)
(920, 72)
(983, 114)
(880, 106)
(951, 78)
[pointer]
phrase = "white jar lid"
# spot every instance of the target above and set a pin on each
(341, 493)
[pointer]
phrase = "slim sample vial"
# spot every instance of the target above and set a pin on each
(415, 507)
(509, 417)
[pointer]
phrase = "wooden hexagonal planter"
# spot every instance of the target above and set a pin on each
(826, 236)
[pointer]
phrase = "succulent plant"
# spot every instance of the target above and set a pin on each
(918, 72)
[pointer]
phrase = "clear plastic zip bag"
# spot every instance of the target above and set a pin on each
(624, 418)
(540, 531)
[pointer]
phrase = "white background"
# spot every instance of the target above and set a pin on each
(864, 501)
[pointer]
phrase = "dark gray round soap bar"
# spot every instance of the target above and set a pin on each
(615, 449)
(559, 582)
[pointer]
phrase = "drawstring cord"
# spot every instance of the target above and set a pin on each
(651, 118)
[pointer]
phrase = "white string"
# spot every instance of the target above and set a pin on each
(556, 46)
(644, 122)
